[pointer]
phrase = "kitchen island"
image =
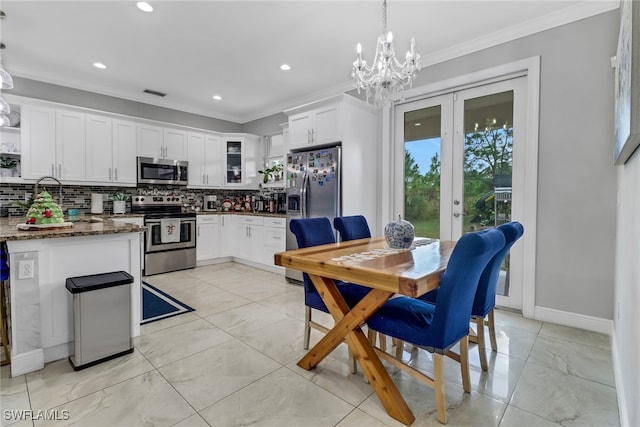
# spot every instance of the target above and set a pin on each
(41, 308)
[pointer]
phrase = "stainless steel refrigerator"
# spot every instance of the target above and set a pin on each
(313, 190)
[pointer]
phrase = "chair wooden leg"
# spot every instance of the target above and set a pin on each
(399, 348)
(383, 341)
(481, 345)
(353, 363)
(307, 327)
(464, 364)
(492, 332)
(441, 404)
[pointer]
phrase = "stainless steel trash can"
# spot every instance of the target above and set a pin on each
(101, 317)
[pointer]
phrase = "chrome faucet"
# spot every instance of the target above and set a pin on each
(35, 190)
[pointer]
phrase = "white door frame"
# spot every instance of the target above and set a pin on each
(529, 67)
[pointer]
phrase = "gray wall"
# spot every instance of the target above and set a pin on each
(81, 98)
(576, 176)
(267, 125)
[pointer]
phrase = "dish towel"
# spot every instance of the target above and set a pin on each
(170, 230)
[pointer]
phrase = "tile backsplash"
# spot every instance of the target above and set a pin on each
(79, 196)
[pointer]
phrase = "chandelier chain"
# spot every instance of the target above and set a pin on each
(384, 17)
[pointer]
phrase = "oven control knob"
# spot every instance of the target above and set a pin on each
(142, 199)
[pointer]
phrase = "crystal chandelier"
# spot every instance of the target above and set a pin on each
(386, 78)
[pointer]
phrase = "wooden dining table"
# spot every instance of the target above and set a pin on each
(367, 262)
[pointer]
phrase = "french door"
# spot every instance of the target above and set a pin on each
(462, 157)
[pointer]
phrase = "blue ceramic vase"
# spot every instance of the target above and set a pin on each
(399, 234)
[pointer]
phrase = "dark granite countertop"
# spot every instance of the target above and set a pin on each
(83, 226)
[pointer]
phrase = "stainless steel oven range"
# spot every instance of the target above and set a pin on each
(170, 239)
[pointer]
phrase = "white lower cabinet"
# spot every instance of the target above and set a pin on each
(249, 237)
(246, 238)
(227, 232)
(274, 240)
(208, 237)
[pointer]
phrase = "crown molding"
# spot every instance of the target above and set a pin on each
(571, 14)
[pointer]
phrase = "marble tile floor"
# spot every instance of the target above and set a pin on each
(232, 362)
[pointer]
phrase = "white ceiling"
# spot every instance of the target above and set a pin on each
(194, 49)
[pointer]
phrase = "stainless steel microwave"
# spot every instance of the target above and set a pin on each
(162, 171)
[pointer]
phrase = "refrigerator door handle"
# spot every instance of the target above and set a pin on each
(303, 194)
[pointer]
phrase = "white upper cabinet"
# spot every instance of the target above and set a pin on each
(175, 144)
(70, 145)
(111, 150)
(205, 160)
(150, 140)
(75, 146)
(38, 141)
(276, 146)
(159, 142)
(124, 152)
(316, 126)
(99, 148)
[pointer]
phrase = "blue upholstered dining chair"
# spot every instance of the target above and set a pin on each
(438, 327)
(314, 232)
(352, 227)
(485, 299)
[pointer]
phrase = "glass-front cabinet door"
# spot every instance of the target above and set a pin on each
(234, 159)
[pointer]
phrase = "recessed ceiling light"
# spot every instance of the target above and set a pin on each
(99, 65)
(144, 6)
(417, 124)
(285, 67)
(217, 97)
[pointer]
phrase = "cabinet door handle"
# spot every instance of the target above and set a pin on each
(109, 174)
(313, 135)
(198, 231)
(60, 171)
(53, 170)
(116, 173)
(308, 136)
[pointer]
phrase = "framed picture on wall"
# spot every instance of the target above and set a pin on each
(627, 90)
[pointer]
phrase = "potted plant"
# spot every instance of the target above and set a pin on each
(272, 172)
(119, 202)
(7, 166)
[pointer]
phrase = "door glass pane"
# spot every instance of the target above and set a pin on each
(488, 161)
(422, 141)
(234, 162)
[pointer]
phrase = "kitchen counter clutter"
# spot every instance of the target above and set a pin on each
(265, 214)
(83, 226)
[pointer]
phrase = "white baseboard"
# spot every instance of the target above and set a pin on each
(61, 351)
(575, 320)
(24, 363)
(619, 379)
(271, 268)
(213, 261)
